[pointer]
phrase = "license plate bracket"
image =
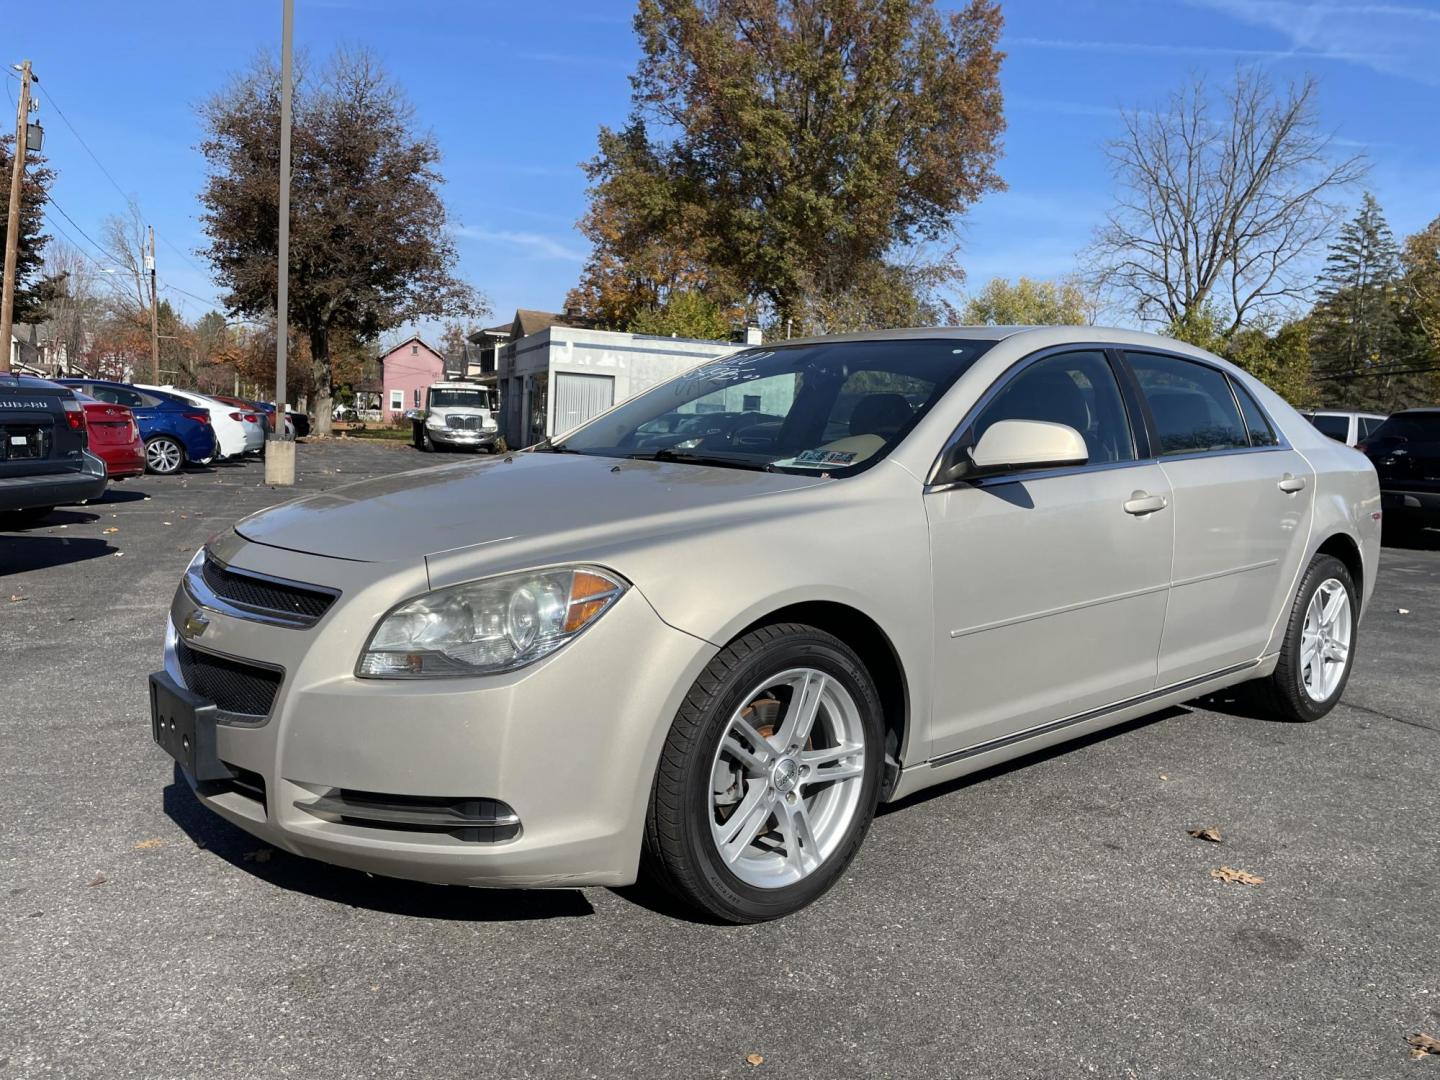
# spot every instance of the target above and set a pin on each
(183, 725)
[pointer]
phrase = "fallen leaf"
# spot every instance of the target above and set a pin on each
(1229, 875)
(16, 598)
(98, 879)
(146, 845)
(111, 529)
(263, 855)
(1423, 1044)
(118, 554)
(754, 1059)
(1209, 832)
(1164, 776)
(1402, 611)
(166, 523)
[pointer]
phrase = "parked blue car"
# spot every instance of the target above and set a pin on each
(175, 431)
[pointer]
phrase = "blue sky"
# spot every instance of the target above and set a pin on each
(514, 94)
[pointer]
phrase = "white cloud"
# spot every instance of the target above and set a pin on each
(536, 245)
(1395, 39)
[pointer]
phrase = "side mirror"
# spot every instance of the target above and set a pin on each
(1026, 444)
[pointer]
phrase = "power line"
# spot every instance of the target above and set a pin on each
(175, 288)
(128, 197)
(81, 231)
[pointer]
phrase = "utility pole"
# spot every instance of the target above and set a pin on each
(12, 222)
(279, 451)
(154, 314)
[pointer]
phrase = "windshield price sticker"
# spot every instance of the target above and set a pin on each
(825, 457)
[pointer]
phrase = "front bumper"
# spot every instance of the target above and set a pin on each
(462, 437)
(570, 743)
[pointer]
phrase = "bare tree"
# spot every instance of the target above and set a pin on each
(1219, 206)
(73, 307)
(124, 241)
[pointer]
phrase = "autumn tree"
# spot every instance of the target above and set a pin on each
(1420, 259)
(810, 158)
(686, 313)
(370, 247)
(1031, 303)
(32, 286)
(1221, 203)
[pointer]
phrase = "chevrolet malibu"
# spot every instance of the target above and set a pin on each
(932, 551)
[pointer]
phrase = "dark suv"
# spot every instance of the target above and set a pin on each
(1405, 451)
(44, 456)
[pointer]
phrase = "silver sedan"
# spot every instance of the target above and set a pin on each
(904, 557)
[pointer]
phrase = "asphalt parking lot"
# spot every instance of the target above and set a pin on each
(1049, 919)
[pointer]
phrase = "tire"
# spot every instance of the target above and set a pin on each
(163, 455)
(756, 681)
(427, 445)
(1287, 693)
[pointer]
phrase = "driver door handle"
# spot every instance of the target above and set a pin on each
(1292, 484)
(1142, 503)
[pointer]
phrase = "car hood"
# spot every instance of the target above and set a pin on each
(513, 499)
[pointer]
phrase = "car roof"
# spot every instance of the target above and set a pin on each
(1053, 335)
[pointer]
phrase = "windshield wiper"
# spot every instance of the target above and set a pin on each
(687, 458)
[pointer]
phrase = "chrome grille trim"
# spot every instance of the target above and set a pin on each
(309, 602)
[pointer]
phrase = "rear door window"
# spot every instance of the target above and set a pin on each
(1337, 427)
(1256, 423)
(1411, 427)
(1193, 408)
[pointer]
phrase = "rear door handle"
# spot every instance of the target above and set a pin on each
(1292, 484)
(1141, 503)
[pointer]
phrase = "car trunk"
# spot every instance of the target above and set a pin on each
(35, 436)
(110, 425)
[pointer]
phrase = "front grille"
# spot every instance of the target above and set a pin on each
(464, 423)
(233, 686)
(478, 820)
(296, 603)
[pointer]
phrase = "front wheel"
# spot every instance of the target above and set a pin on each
(769, 777)
(1319, 648)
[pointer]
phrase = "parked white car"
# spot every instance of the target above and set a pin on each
(1351, 428)
(234, 435)
(925, 552)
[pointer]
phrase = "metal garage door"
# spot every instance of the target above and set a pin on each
(579, 397)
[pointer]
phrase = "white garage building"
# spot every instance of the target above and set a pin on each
(559, 376)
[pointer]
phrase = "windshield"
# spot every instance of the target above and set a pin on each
(466, 397)
(825, 407)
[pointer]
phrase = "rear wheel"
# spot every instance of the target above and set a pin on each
(164, 455)
(1319, 648)
(769, 777)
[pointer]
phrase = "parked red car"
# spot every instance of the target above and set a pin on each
(114, 437)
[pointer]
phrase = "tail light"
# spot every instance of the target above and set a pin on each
(237, 416)
(203, 418)
(134, 430)
(74, 414)
(1364, 448)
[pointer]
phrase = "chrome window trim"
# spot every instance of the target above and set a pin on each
(200, 591)
(1230, 380)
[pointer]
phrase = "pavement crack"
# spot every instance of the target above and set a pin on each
(1386, 716)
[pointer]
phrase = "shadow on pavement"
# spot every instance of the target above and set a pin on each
(354, 888)
(127, 494)
(1034, 758)
(19, 554)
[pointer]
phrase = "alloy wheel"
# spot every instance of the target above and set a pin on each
(1325, 640)
(786, 778)
(162, 456)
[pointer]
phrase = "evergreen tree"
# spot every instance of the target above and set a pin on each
(1364, 337)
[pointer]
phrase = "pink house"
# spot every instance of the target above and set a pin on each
(405, 372)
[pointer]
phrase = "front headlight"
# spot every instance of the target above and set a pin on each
(489, 626)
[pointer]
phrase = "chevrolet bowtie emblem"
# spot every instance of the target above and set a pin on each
(195, 624)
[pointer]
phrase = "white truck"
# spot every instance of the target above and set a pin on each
(458, 413)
